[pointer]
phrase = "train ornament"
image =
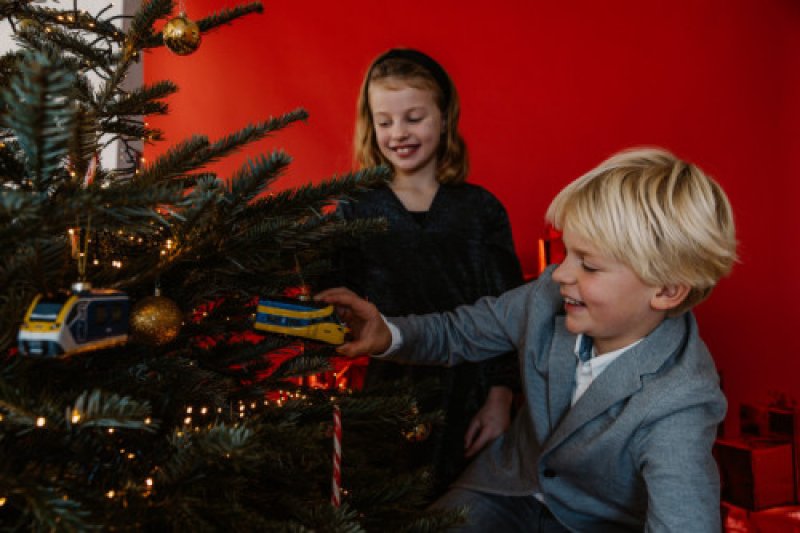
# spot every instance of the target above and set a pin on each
(300, 318)
(69, 323)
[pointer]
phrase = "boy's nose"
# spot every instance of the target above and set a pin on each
(561, 274)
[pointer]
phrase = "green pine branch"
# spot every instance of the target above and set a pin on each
(50, 509)
(140, 32)
(176, 161)
(82, 145)
(249, 134)
(122, 128)
(293, 202)
(38, 39)
(39, 114)
(228, 15)
(299, 366)
(142, 100)
(254, 177)
(100, 409)
(85, 54)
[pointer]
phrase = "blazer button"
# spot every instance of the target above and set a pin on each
(549, 473)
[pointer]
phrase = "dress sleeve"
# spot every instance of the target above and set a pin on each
(503, 268)
(343, 258)
(503, 273)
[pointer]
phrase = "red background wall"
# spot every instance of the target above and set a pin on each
(549, 89)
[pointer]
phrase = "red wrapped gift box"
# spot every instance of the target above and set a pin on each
(776, 520)
(755, 473)
(754, 420)
(776, 422)
(785, 423)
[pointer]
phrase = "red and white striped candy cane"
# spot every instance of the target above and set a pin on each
(336, 498)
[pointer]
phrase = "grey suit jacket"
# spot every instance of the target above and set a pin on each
(632, 454)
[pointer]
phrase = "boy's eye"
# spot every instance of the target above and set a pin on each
(588, 268)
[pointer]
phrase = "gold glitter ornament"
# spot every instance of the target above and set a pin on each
(155, 320)
(419, 433)
(181, 35)
(28, 24)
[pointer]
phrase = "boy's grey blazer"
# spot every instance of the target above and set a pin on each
(633, 454)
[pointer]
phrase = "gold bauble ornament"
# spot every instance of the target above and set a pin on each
(421, 430)
(419, 433)
(181, 35)
(155, 320)
(28, 24)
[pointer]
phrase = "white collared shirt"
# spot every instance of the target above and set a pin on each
(587, 372)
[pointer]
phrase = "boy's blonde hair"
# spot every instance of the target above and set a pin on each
(402, 66)
(661, 216)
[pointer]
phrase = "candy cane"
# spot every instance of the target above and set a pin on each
(336, 499)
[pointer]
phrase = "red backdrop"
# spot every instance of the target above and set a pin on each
(548, 90)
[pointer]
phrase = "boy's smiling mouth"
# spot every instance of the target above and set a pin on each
(573, 301)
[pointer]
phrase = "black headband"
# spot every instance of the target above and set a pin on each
(426, 62)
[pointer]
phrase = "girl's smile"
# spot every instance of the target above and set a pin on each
(406, 150)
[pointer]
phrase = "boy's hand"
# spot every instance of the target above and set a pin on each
(490, 422)
(370, 334)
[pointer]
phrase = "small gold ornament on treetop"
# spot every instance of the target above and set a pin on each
(181, 35)
(155, 320)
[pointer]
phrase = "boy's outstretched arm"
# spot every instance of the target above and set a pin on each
(370, 334)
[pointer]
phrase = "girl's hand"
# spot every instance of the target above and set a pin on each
(490, 422)
(370, 334)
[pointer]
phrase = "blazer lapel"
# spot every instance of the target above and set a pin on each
(621, 379)
(561, 373)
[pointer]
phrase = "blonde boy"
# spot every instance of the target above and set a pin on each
(622, 396)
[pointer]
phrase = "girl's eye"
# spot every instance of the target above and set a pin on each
(414, 119)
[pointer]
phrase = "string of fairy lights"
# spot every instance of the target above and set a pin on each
(196, 419)
(114, 248)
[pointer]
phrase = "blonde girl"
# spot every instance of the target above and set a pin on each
(448, 243)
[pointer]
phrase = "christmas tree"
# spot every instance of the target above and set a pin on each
(135, 393)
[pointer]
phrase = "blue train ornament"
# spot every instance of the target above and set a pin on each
(79, 321)
(300, 318)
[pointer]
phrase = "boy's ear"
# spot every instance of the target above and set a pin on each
(669, 296)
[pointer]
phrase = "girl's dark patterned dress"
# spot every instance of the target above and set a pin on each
(452, 254)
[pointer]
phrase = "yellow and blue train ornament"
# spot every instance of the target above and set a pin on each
(83, 320)
(300, 318)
